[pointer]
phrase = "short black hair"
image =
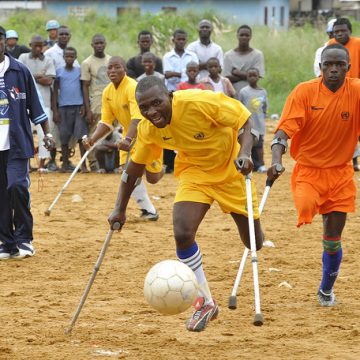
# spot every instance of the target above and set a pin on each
(213, 59)
(336, 46)
(179, 31)
(343, 21)
(144, 32)
(98, 36)
(150, 81)
(244, 27)
(148, 54)
(192, 64)
(70, 48)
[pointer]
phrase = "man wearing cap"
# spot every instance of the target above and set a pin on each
(51, 28)
(12, 47)
(317, 61)
(19, 104)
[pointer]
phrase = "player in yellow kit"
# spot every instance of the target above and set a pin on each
(118, 103)
(203, 127)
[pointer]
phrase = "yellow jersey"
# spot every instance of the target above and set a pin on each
(203, 130)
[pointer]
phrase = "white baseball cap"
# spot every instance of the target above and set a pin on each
(330, 25)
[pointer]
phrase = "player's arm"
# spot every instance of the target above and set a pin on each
(130, 135)
(246, 137)
(130, 178)
(101, 130)
(278, 149)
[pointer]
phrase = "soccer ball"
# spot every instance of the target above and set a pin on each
(170, 287)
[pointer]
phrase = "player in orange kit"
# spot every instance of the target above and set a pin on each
(321, 117)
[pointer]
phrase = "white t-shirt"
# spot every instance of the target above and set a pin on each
(4, 108)
(218, 86)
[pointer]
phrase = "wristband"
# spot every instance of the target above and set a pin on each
(129, 139)
(49, 135)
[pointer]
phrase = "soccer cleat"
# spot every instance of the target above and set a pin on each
(202, 315)
(326, 299)
(146, 215)
(25, 250)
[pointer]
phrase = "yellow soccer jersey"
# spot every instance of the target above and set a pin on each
(203, 130)
(120, 104)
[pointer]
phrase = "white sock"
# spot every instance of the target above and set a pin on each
(195, 264)
(142, 198)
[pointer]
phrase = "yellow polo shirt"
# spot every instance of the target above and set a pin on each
(203, 130)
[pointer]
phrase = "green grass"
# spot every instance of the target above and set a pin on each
(289, 55)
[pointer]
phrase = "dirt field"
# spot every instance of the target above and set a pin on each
(38, 296)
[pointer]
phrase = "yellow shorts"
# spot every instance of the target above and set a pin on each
(154, 167)
(230, 196)
(321, 191)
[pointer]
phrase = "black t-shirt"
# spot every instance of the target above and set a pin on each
(135, 68)
(17, 50)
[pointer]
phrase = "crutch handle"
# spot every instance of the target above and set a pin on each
(269, 182)
(116, 226)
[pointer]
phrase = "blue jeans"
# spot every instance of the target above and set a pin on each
(16, 221)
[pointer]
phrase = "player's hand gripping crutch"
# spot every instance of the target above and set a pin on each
(115, 226)
(232, 298)
(48, 211)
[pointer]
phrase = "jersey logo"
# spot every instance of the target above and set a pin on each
(199, 136)
(166, 138)
(317, 108)
(345, 115)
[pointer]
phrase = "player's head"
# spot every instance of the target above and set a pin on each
(145, 40)
(205, 28)
(98, 43)
(330, 28)
(116, 69)
(179, 39)
(2, 40)
(334, 65)
(148, 62)
(154, 101)
(342, 30)
(192, 71)
(244, 34)
(37, 43)
(70, 55)
(252, 76)
(64, 36)
(213, 66)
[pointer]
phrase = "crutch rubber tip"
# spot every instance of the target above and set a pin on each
(258, 320)
(47, 212)
(232, 302)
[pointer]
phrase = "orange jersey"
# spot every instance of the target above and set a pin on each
(353, 46)
(324, 126)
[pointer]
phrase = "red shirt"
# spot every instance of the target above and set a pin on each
(185, 86)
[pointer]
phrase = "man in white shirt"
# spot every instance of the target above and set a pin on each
(175, 61)
(204, 48)
(317, 61)
(57, 51)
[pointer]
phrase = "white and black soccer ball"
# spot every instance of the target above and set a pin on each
(170, 287)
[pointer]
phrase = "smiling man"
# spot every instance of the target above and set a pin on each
(321, 117)
(203, 127)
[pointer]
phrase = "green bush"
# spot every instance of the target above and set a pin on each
(289, 55)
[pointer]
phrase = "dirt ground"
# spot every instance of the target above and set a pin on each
(38, 296)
